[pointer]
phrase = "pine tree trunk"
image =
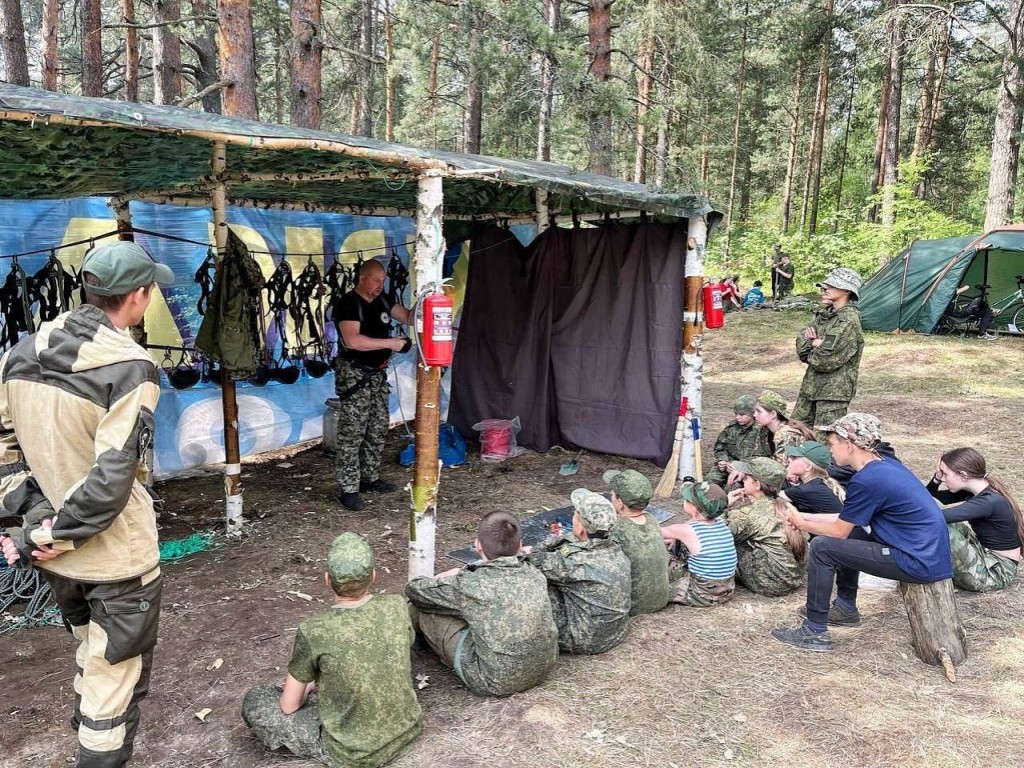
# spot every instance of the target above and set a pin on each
(204, 47)
(237, 61)
(891, 160)
(15, 55)
(131, 52)
(90, 22)
(661, 150)
(281, 37)
(552, 17)
(472, 115)
(846, 142)
(878, 168)
(51, 23)
(1005, 139)
(753, 130)
(389, 75)
(645, 82)
(794, 141)
(741, 78)
(307, 55)
(435, 58)
(600, 49)
(820, 118)
(166, 53)
(362, 105)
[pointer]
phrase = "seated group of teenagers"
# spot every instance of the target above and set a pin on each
(779, 508)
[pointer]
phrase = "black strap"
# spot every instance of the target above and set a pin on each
(368, 373)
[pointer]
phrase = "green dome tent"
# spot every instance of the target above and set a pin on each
(911, 292)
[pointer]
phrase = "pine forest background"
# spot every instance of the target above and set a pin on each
(840, 128)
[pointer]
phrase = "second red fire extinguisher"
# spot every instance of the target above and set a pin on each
(714, 315)
(434, 326)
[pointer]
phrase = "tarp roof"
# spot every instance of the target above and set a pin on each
(54, 145)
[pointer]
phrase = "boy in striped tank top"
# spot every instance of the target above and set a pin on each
(709, 549)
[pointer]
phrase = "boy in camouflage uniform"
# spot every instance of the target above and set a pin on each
(588, 578)
(637, 532)
(491, 621)
(76, 402)
(739, 441)
(766, 564)
(365, 345)
(831, 346)
(355, 654)
(784, 274)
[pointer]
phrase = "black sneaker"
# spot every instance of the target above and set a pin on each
(377, 486)
(837, 616)
(805, 639)
(352, 501)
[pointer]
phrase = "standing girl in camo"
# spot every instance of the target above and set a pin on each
(987, 526)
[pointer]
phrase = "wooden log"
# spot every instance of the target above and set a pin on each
(936, 631)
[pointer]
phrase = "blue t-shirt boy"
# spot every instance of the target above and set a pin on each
(903, 516)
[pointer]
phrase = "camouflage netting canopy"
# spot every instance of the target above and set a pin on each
(54, 145)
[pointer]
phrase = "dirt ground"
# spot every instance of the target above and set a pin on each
(687, 688)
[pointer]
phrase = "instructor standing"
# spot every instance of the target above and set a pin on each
(363, 316)
(77, 400)
(831, 347)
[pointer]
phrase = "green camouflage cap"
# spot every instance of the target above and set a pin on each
(121, 266)
(709, 498)
(773, 401)
(596, 512)
(350, 559)
(861, 429)
(845, 279)
(815, 452)
(766, 471)
(634, 489)
(744, 404)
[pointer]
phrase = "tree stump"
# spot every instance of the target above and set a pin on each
(935, 628)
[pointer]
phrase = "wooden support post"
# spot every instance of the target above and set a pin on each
(427, 264)
(233, 506)
(936, 631)
(692, 364)
(541, 199)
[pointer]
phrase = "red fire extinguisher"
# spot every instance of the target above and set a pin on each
(434, 326)
(714, 315)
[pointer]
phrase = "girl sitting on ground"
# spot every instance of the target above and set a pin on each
(705, 546)
(987, 526)
(770, 554)
(809, 487)
(777, 429)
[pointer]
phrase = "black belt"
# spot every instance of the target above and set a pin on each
(13, 469)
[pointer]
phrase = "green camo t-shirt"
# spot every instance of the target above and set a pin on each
(648, 561)
(359, 658)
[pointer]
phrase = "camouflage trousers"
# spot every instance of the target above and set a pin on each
(818, 413)
(362, 426)
(115, 625)
(765, 573)
(444, 634)
(975, 569)
(298, 732)
(693, 590)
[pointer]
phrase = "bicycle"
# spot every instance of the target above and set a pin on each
(961, 318)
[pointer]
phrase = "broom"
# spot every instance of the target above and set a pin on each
(667, 484)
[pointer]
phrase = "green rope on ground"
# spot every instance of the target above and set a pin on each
(178, 549)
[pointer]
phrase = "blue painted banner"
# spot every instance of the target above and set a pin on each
(189, 421)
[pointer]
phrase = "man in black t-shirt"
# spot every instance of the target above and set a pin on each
(363, 316)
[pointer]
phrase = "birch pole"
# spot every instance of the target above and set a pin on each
(232, 454)
(427, 263)
(692, 367)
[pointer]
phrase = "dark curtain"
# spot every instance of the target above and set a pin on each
(578, 334)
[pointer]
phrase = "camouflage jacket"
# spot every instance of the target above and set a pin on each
(832, 367)
(773, 445)
(512, 641)
(359, 657)
(738, 443)
(648, 563)
(765, 564)
(589, 587)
